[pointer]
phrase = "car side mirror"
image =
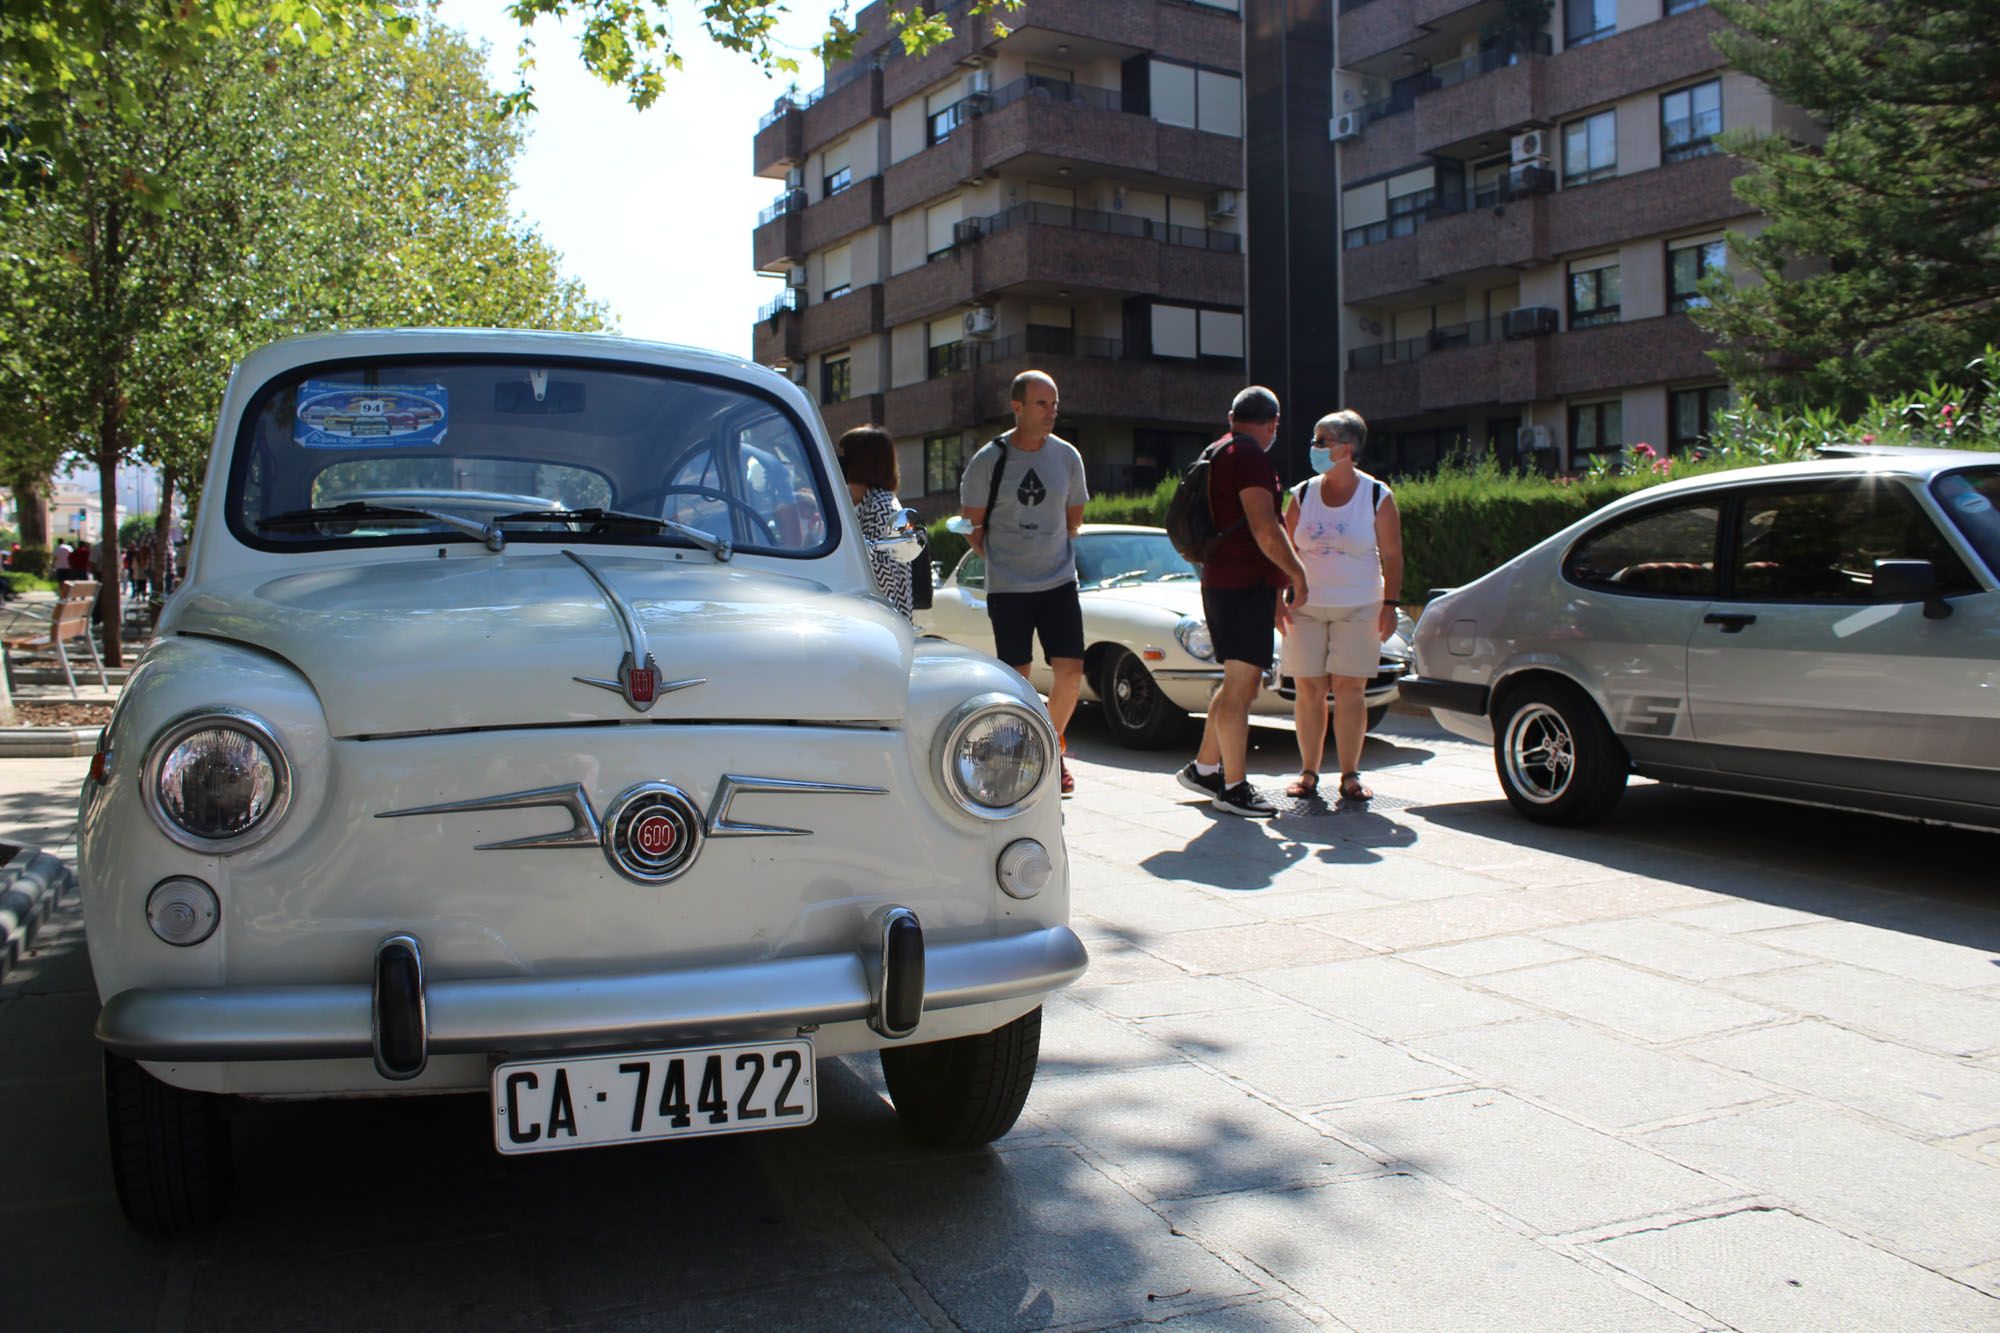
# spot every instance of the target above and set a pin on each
(905, 541)
(1911, 581)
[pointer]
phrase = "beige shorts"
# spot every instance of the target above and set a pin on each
(1333, 641)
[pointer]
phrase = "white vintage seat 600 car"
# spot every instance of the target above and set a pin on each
(528, 723)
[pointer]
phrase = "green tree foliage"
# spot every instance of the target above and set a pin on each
(1880, 266)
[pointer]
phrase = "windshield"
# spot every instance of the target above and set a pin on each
(1127, 557)
(402, 447)
(1972, 499)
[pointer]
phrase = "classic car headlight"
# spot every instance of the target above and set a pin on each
(992, 754)
(1192, 631)
(216, 781)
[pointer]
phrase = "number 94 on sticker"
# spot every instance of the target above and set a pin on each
(585, 1101)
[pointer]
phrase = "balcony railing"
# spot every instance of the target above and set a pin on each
(1114, 224)
(798, 101)
(1437, 77)
(1440, 339)
(1043, 89)
(791, 201)
(788, 299)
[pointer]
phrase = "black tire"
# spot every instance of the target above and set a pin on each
(1138, 714)
(1558, 761)
(968, 1090)
(170, 1153)
(1376, 714)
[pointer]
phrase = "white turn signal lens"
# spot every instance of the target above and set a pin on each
(182, 911)
(1024, 868)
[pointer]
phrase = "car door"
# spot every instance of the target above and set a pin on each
(1804, 675)
(1634, 589)
(958, 607)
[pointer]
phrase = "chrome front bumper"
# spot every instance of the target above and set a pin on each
(498, 1015)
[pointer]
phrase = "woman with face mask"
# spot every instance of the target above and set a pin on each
(1349, 537)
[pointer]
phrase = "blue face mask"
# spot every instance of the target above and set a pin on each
(1322, 458)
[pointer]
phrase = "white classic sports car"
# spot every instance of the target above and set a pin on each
(1147, 656)
(621, 800)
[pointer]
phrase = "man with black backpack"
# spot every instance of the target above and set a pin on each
(1023, 494)
(1249, 561)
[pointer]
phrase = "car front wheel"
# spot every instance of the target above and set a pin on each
(1558, 761)
(1138, 713)
(968, 1090)
(169, 1151)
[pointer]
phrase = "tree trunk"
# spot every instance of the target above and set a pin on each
(163, 533)
(108, 591)
(31, 504)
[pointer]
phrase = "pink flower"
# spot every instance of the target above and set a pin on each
(1663, 466)
(1948, 411)
(1643, 450)
(1868, 439)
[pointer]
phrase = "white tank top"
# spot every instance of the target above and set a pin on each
(1336, 544)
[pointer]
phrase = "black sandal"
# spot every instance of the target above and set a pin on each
(1352, 790)
(1305, 787)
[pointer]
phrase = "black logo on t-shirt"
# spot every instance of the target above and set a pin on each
(1031, 491)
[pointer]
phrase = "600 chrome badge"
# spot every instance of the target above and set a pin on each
(652, 833)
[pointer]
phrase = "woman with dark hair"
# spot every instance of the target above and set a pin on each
(868, 462)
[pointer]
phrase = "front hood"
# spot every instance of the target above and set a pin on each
(436, 645)
(1181, 597)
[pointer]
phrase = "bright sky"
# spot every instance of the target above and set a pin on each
(651, 209)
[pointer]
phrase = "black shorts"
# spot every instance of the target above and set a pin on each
(1053, 613)
(1241, 623)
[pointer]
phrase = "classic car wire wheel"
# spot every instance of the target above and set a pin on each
(1540, 753)
(652, 833)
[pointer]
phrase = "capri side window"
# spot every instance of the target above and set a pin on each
(1665, 552)
(1821, 545)
(971, 571)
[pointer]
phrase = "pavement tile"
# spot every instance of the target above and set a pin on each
(1409, 880)
(1182, 1131)
(1928, 1204)
(859, 1300)
(1117, 961)
(1927, 1017)
(1180, 995)
(44, 1036)
(1415, 925)
(1387, 997)
(1883, 949)
(1484, 957)
(1771, 1269)
(1077, 1039)
(1743, 917)
(1320, 900)
(1983, 1277)
(1232, 949)
(1399, 1254)
(1238, 1318)
(1156, 907)
(1299, 1058)
(1551, 1173)
(1628, 895)
(1666, 946)
(1932, 1094)
(1602, 1079)
(72, 1263)
(1627, 1000)
(1031, 1238)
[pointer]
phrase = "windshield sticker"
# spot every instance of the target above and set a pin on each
(352, 416)
(1972, 502)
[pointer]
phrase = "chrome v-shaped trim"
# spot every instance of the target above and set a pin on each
(721, 826)
(584, 830)
(636, 655)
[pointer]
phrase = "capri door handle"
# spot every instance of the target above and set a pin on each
(1732, 622)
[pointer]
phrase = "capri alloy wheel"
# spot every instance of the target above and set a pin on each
(1556, 757)
(1540, 754)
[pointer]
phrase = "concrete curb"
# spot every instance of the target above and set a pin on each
(31, 884)
(48, 742)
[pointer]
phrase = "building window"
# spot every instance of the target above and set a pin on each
(836, 378)
(836, 181)
(1190, 333)
(1588, 20)
(1406, 210)
(1594, 294)
(1689, 121)
(1692, 414)
(1596, 430)
(1687, 265)
(938, 129)
(1195, 99)
(944, 461)
(1590, 149)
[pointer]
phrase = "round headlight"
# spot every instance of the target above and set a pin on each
(1192, 631)
(216, 782)
(994, 754)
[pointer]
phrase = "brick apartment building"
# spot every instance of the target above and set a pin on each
(1523, 218)
(1067, 197)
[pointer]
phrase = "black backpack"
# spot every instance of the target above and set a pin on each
(1191, 514)
(922, 591)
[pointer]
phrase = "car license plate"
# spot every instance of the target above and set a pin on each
(549, 1105)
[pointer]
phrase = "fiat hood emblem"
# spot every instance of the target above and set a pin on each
(638, 677)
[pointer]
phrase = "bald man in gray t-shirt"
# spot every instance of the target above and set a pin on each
(1026, 540)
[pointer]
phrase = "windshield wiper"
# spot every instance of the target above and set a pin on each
(1175, 574)
(357, 510)
(606, 520)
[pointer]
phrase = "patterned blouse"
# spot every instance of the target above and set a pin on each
(878, 510)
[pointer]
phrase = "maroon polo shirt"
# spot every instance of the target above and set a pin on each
(1240, 465)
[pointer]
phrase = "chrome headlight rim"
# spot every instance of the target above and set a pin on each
(945, 747)
(1184, 630)
(209, 719)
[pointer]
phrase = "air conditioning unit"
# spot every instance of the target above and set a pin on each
(795, 178)
(1526, 178)
(980, 321)
(1346, 125)
(980, 82)
(797, 370)
(1222, 204)
(966, 230)
(1532, 440)
(796, 278)
(1529, 321)
(1531, 146)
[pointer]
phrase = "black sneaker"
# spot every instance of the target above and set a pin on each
(1201, 784)
(1244, 799)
